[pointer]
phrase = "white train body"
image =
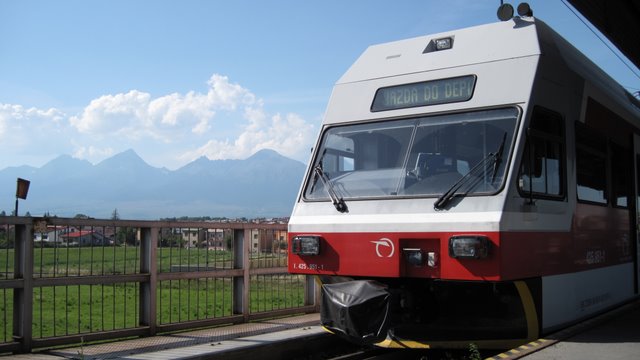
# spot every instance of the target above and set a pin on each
(542, 145)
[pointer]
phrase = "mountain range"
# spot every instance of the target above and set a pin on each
(263, 185)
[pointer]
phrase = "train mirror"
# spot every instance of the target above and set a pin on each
(505, 12)
(524, 9)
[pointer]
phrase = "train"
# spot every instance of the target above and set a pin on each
(474, 186)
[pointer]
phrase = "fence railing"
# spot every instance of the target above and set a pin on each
(64, 281)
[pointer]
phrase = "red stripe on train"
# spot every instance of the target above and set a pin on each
(513, 255)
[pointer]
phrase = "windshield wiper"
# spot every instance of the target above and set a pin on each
(315, 178)
(337, 201)
(498, 157)
(494, 158)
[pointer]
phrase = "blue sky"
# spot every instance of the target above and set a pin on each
(176, 80)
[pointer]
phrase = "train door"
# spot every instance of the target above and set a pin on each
(636, 259)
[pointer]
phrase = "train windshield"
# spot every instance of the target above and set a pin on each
(417, 157)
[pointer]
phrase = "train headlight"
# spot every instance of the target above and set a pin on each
(305, 245)
(444, 43)
(469, 247)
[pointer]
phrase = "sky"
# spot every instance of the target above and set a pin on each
(177, 80)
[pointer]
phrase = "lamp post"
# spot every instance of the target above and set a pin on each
(22, 189)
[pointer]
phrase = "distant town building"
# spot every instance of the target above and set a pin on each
(60, 236)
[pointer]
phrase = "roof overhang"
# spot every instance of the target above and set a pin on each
(618, 20)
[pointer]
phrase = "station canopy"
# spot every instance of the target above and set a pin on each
(618, 20)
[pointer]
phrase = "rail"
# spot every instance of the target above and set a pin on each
(67, 281)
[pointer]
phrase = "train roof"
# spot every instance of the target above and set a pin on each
(519, 37)
(477, 44)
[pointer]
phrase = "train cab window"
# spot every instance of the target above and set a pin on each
(443, 152)
(422, 156)
(340, 157)
(591, 165)
(360, 160)
(542, 169)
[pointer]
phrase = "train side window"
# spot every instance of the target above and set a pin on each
(543, 162)
(620, 175)
(591, 165)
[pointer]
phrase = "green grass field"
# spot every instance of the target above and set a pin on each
(77, 309)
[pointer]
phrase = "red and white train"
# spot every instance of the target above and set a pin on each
(478, 185)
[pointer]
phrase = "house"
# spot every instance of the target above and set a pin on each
(84, 238)
(268, 241)
(215, 239)
(191, 237)
(53, 236)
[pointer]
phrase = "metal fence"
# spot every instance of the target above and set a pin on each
(64, 281)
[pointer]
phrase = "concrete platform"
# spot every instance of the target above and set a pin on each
(228, 342)
(613, 335)
(277, 345)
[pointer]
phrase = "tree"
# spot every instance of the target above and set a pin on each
(171, 240)
(228, 241)
(126, 235)
(115, 215)
(7, 239)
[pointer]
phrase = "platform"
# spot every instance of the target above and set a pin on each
(613, 335)
(228, 342)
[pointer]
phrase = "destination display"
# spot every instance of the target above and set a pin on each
(424, 93)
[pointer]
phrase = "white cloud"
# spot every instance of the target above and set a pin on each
(113, 113)
(192, 110)
(136, 115)
(21, 128)
(16, 117)
(228, 95)
(290, 135)
(225, 121)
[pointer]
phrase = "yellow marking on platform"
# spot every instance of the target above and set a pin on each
(402, 344)
(522, 348)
